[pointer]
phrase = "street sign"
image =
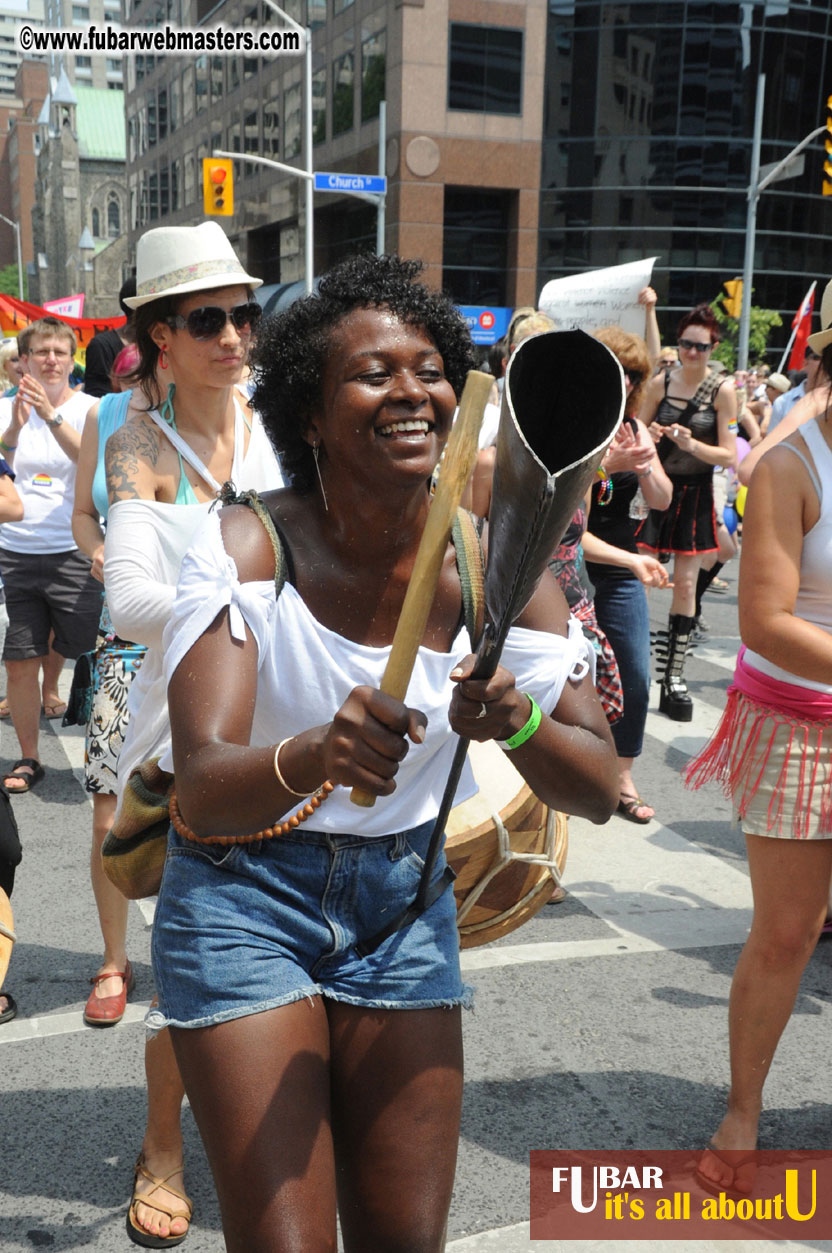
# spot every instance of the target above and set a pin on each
(487, 323)
(375, 184)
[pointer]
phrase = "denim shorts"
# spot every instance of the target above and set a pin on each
(244, 928)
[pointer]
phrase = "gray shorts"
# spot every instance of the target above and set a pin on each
(49, 592)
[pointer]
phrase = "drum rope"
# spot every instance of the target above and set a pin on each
(506, 854)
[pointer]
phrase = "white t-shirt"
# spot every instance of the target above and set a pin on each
(306, 671)
(45, 480)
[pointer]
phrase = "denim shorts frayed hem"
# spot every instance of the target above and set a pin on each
(239, 931)
(157, 1021)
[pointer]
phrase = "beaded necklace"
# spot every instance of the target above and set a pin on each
(280, 828)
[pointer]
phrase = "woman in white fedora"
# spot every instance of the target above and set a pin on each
(195, 321)
(772, 754)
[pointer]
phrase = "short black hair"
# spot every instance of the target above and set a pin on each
(127, 291)
(292, 348)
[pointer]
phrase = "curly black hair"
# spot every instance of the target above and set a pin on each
(292, 348)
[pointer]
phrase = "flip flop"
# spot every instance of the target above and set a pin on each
(627, 806)
(10, 1011)
(5, 712)
(56, 710)
(31, 780)
(734, 1160)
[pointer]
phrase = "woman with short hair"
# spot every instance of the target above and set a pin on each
(344, 1070)
(693, 416)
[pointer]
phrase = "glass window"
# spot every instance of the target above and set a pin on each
(251, 136)
(151, 119)
(175, 103)
(485, 70)
(114, 65)
(113, 216)
(291, 121)
(319, 106)
(475, 245)
(201, 69)
(96, 224)
(190, 178)
(315, 13)
(216, 79)
(338, 6)
(153, 196)
(175, 184)
(163, 112)
(80, 13)
(343, 93)
(271, 129)
(83, 62)
(188, 93)
(373, 70)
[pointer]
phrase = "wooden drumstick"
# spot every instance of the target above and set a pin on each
(454, 473)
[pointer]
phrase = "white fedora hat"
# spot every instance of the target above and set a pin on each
(820, 339)
(175, 260)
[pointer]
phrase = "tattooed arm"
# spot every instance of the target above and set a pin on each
(131, 459)
(139, 596)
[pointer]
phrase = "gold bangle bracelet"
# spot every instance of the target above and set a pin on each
(279, 776)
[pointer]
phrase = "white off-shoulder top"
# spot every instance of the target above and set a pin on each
(306, 671)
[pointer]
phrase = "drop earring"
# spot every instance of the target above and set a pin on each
(315, 454)
(163, 359)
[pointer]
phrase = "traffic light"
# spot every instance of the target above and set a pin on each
(218, 186)
(732, 303)
(826, 188)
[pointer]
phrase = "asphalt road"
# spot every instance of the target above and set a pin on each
(601, 1024)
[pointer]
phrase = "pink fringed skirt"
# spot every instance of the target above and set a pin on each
(775, 768)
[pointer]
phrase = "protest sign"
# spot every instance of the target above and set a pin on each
(599, 298)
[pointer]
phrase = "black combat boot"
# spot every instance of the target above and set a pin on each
(675, 699)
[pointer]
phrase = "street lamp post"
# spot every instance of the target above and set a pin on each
(309, 233)
(16, 228)
(755, 190)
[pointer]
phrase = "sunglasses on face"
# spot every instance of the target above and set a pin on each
(634, 377)
(811, 355)
(209, 321)
(690, 344)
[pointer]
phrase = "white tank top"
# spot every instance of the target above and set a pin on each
(814, 596)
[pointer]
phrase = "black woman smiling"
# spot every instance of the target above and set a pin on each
(314, 1072)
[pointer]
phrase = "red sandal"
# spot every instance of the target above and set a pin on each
(106, 1011)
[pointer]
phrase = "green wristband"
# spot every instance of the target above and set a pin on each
(526, 732)
(7, 447)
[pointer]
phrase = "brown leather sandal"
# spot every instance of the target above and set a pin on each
(140, 1235)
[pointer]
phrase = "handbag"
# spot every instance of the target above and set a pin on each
(79, 702)
(134, 849)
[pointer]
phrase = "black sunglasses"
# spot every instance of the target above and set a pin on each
(209, 321)
(811, 355)
(634, 377)
(692, 343)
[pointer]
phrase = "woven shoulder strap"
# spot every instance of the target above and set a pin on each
(466, 542)
(469, 561)
(254, 502)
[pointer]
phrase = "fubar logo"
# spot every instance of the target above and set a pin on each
(641, 1195)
